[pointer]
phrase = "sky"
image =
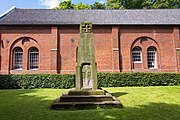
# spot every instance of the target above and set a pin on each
(37, 4)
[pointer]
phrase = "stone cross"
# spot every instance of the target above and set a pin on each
(86, 27)
(86, 68)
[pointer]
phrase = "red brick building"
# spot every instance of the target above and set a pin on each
(45, 41)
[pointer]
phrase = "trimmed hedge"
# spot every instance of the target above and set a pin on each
(36, 81)
(138, 79)
(104, 80)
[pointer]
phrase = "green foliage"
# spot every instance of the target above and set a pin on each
(66, 4)
(81, 6)
(69, 5)
(114, 4)
(36, 81)
(122, 4)
(133, 4)
(160, 4)
(104, 80)
(142, 4)
(138, 79)
(98, 5)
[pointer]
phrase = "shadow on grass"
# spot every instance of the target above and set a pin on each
(152, 111)
(27, 105)
(118, 94)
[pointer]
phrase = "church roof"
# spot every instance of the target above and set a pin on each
(98, 17)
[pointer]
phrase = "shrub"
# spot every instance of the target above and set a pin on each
(104, 80)
(138, 79)
(36, 81)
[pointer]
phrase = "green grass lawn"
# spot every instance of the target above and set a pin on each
(140, 103)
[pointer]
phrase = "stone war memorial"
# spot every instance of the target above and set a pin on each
(85, 92)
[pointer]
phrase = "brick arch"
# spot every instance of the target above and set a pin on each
(144, 42)
(140, 39)
(15, 44)
(22, 39)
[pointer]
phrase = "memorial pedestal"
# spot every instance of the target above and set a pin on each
(86, 99)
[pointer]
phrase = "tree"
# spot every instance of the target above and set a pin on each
(161, 4)
(114, 4)
(133, 4)
(81, 6)
(122, 4)
(142, 4)
(128, 4)
(98, 5)
(65, 5)
(147, 4)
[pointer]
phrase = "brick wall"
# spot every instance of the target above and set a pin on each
(162, 40)
(103, 48)
(57, 48)
(42, 38)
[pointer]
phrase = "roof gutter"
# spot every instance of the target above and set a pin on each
(93, 24)
(7, 12)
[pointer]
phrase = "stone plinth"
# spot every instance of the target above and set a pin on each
(85, 99)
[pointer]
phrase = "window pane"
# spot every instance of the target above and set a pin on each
(136, 54)
(33, 58)
(151, 54)
(17, 62)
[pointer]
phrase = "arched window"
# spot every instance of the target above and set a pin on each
(17, 60)
(33, 58)
(151, 57)
(136, 54)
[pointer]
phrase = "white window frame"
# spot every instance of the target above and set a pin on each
(30, 59)
(17, 65)
(155, 61)
(140, 50)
